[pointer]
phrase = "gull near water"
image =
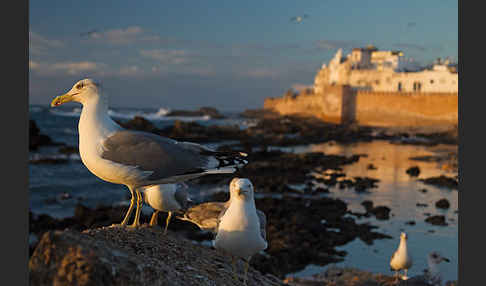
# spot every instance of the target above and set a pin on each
(166, 198)
(401, 259)
(135, 158)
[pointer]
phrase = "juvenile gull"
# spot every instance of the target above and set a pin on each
(432, 275)
(167, 198)
(135, 158)
(401, 259)
(239, 226)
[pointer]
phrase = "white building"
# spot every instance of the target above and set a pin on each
(385, 71)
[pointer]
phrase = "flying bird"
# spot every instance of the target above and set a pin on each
(299, 19)
(239, 227)
(135, 158)
(167, 198)
(89, 33)
(401, 259)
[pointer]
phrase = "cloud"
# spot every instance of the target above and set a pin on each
(130, 71)
(335, 44)
(39, 45)
(70, 68)
(166, 56)
(122, 36)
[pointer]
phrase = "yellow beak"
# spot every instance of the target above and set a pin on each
(61, 99)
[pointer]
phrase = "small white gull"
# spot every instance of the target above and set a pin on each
(401, 259)
(135, 158)
(167, 198)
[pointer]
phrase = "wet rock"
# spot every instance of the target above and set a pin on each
(413, 171)
(49, 160)
(421, 205)
(442, 204)
(126, 256)
(371, 167)
(442, 181)
(380, 212)
(37, 139)
(138, 123)
(410, 222)
(436, 220)
(68, 150)
(362, 184)
(297, 237)
(203, 111)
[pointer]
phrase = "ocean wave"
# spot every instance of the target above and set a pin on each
(159, 115)
(35, 109)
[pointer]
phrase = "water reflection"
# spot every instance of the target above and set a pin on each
(401, 193)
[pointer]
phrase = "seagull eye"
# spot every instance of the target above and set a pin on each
(80, 86)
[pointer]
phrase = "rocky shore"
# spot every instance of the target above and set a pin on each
(303, 227)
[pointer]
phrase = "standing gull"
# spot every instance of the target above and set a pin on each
(401, 259)
(166, 198)
(433, 274)
(239, 226)
(135, 158)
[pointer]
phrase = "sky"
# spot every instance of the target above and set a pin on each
(227, 54)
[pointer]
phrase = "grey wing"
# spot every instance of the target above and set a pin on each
(263, 223)
(150, 152)
(165, 157)
(205, 215)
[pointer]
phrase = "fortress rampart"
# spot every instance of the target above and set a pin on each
(342, 104)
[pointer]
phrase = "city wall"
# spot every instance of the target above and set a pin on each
(341, 104)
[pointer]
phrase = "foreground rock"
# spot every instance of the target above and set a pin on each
(442, 182)
(125, 256)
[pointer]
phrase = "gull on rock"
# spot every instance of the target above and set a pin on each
(135, 158)
(239, 227)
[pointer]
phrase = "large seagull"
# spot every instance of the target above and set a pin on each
(134, 158)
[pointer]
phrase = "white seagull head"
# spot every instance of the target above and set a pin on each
(82, 91)
(403, 236)
(241, 189)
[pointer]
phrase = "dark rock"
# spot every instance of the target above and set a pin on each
(423, 190)
(362, 184)
(37, 139)
(368, 205)
(436, 220)
(139, 123)
(68, 150)
(127, 256)
(410, 222)
(381, 212)
(442, 181)
(371, 167)
(203, 111)
(421, 205)
(442, 204)
(49, 160)
(413, 171)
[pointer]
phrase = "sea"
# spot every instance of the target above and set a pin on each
(55, 189)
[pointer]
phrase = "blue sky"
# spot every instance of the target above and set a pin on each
(226, 54)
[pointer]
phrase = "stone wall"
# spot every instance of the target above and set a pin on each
(341, 104)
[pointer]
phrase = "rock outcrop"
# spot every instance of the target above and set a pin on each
(126, 256)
